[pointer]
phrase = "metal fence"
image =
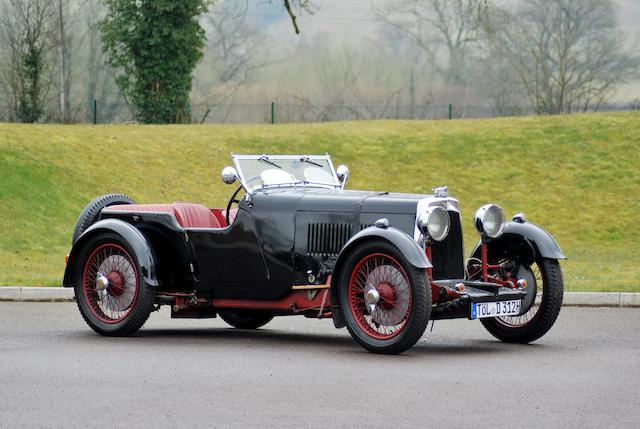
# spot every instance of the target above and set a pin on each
(117, 112)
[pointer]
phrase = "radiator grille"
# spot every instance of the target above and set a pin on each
(448, 258)
(325, 239)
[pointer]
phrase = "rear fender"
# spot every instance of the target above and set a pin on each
(143, 252)
(526, 240)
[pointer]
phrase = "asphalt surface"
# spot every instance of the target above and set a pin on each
(296, 372)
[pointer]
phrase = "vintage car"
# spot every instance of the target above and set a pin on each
(293, 241)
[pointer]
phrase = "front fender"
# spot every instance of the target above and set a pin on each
(143, 252)
(407, 246)
(527, 240)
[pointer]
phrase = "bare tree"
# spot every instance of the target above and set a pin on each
(568, 55)
(435, 24)
(294, 7)
(235, 50)
(96, 77)
(26, 36)
(64, 88)
(493, 78)
(345, 82)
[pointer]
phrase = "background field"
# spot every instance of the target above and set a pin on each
(578, 176)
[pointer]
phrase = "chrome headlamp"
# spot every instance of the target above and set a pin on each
(434, 223)
(489, 220)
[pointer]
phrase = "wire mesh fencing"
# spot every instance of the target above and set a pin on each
(119, 112)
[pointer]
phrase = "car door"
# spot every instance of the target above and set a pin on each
(230, 261)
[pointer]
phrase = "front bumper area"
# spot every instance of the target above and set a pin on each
(474, 292)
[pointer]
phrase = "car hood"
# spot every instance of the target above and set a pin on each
(333, 200)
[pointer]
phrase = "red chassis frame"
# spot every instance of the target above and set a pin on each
(303, 299)
(445, 293)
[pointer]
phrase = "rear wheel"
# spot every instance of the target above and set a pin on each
(245, 319)
(540, 308)
(91, 212)
(110, 291)
(385, 300)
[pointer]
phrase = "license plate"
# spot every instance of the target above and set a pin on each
(495, 309)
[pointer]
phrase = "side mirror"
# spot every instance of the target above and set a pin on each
(343, 174)
(229, 175)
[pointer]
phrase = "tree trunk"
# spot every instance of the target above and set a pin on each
(64, 103)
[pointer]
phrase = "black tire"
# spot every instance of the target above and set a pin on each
(537, 321)
(245, 319)
(403, 288)
(124, 306)
(91, 212)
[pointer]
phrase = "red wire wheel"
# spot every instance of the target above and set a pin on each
(384, 299)
(385, 276)
(110, 283)
(546, 282)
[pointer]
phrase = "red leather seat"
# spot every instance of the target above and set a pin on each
(232, 214)
(219, 214)
(137, 208)
(188, 215)
(191, 215)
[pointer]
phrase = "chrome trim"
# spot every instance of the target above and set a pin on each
(229, 175)
(382, 223)
(449, 204)
(300, 184)
(102, 283)
(441, 192)
(519, 218)
(423, 219)
(343, 175)
(310, 287)
(372, 298)
(479, 220)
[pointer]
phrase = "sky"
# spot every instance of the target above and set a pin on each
(353, 20)
(349, 18)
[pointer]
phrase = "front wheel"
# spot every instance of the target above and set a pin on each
(385, 300)
(110, 290)
(542, 305)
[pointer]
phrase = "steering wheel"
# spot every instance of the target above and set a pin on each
(232, 200)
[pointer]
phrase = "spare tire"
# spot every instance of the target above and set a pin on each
(91, 213)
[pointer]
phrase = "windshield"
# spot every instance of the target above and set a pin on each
(263, 171)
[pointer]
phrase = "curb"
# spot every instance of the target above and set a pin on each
(571, 299)
(35, 294)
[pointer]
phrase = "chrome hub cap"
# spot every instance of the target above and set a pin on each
(372, 298)
(102, 283)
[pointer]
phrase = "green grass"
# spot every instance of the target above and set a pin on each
(578, 176)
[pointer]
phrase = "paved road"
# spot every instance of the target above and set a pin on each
(295, 372)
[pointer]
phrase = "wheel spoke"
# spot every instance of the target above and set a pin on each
(113, 304)
(523, 319)
(391, 313)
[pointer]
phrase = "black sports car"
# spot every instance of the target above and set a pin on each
(380, 263)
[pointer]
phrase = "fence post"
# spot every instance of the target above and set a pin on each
(450, 110)
(95, 111)
(273, 112)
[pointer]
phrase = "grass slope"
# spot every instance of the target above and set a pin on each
(578, 176)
